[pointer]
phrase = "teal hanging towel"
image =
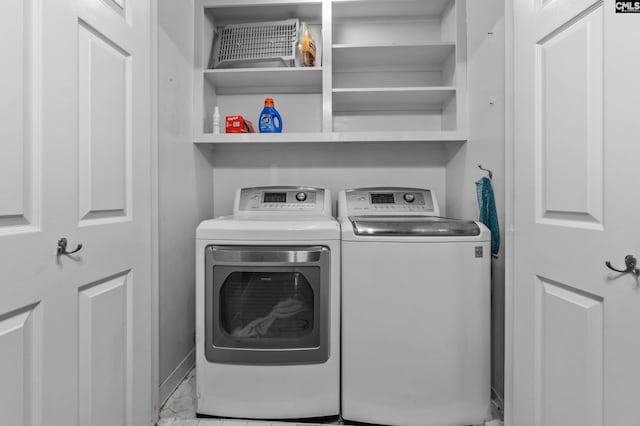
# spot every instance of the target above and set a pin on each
(488, 213)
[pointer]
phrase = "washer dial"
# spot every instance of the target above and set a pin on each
(409, 197)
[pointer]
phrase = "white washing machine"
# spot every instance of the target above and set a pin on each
(415, 311)
(268, 307)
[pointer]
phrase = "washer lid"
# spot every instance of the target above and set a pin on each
(419, 226)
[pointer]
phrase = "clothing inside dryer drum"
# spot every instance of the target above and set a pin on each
(264, 305)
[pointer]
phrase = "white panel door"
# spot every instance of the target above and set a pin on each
(575, 322)
(75, 163)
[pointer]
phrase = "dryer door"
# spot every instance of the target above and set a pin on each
(267, 305)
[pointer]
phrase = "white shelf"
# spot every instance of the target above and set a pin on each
(226, 12)
(261, 80)
(419, 56)
(392, 98)
(388, 64)
(350, 9)
(333, 137)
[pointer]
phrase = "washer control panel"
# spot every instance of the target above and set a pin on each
(390, 201)
(278, 199)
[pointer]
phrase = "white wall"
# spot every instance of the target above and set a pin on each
(334, 166)
(485, 68)
(185, 192)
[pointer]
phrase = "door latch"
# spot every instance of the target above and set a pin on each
(630, 263)
(62, 247)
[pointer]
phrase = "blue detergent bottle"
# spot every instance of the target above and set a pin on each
(270, 121)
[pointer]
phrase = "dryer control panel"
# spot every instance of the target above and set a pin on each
(388, 201)
(292, 199)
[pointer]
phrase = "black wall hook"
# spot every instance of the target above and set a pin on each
(486, 170)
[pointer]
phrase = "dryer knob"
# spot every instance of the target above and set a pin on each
(409, 197)
(301, 196)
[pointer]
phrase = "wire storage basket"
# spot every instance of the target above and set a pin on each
(256, 43)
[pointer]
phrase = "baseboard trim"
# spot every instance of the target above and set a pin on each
(177, 376)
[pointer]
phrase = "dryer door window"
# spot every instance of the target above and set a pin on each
(267, 304)
(267, 308)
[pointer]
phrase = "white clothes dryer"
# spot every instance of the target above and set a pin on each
(415, 311)
(268, 307)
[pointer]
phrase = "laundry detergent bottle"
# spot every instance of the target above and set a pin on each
(270, 121)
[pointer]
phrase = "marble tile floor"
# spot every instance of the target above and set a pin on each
(180, 410)
(182, 402)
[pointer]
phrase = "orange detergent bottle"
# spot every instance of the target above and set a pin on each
(307, 47)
